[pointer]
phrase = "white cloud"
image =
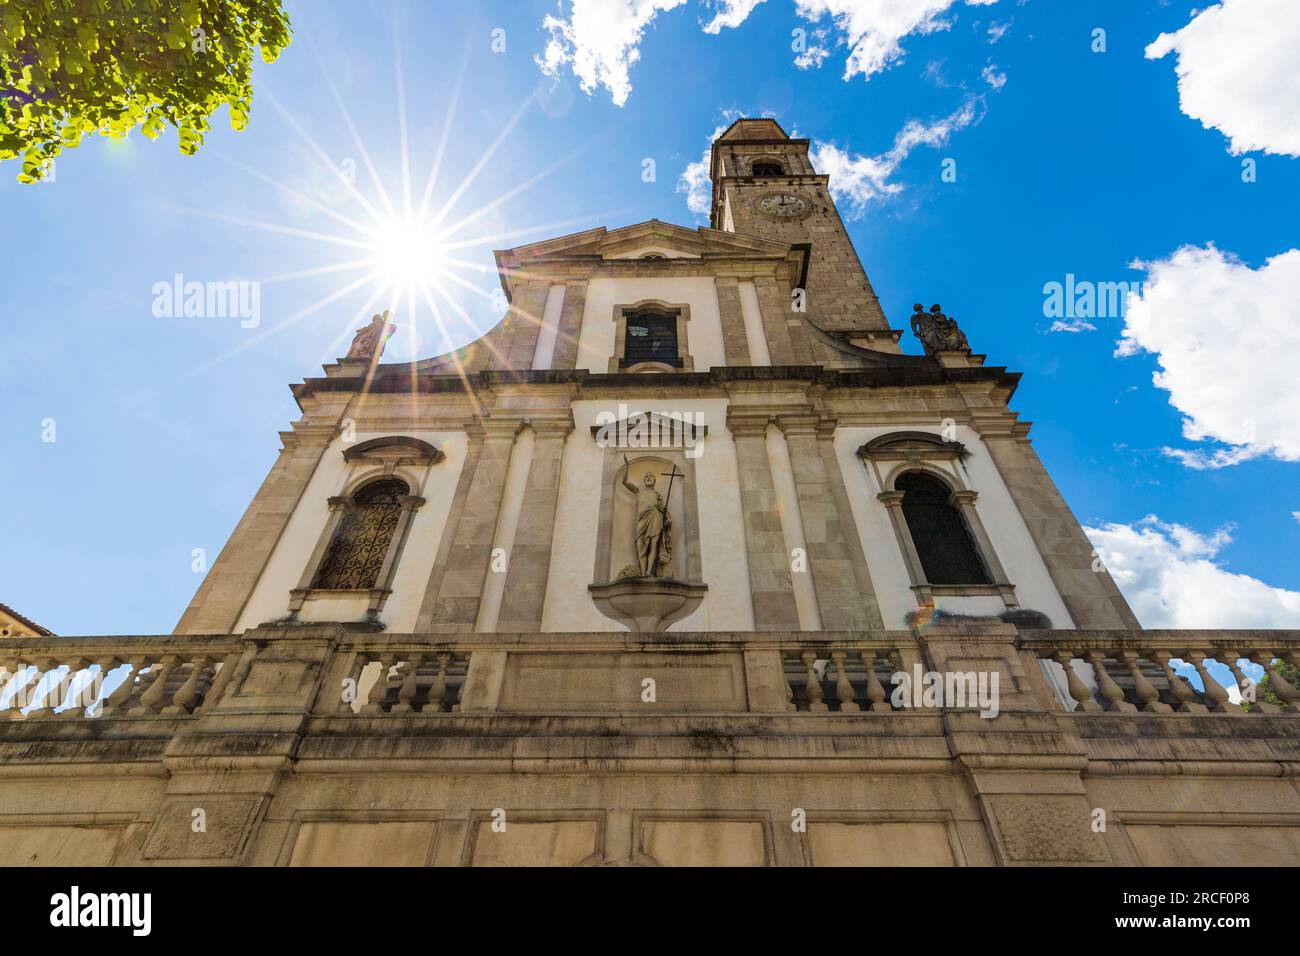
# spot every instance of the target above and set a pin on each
(1225, 338)
(694, 180)
(1170, 578)
(993, 78)
(873, 29)
(1237, 72)
(858, 181)
(997, 30)
(600, 41)
(730, 13)
(1072, 325)
(815, 54)
(1296, 515)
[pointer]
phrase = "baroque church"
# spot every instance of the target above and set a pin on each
(685, 562)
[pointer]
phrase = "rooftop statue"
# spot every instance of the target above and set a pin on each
(369, 341)
(937, 332)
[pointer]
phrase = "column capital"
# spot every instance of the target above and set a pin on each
(748, 424)
(792, 425)
(501, 429)
(556, 426)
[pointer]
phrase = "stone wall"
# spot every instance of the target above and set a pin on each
(281, 748)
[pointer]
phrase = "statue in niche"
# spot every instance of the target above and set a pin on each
(654, 529)
(369, 341)
(937, 332)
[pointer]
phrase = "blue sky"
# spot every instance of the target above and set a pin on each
(1068, 161)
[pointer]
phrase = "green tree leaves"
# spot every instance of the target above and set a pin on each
(69, 68)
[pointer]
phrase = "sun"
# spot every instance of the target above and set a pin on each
(407, 253)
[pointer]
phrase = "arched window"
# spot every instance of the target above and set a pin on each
(767, 168)
(361, 541)
(943, 541)
(651, 337)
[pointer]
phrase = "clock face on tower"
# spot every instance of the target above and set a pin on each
(782, 205)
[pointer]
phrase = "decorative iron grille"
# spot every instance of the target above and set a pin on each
(356, 552)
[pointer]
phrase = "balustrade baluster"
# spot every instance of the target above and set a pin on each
(188, 692)
(1214, 691)
(438, 689)
(790, 704)
(875, 690)
(1230, 659)
(78, 677)
(405, 703)
(352, 671)
(119, 701)
(1111, 691)
(1179, 689)
(1289, 696)
(1077, 688)
(843, 689)
(1145, 690)
(379, 691)
(56, 691)
(151, 700)
(7, 677)
(812, 686)
(23, 681)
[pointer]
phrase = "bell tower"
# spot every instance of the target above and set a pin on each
(764, 185)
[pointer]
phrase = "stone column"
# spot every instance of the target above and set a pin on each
(474, 435)
(530, 553)
(735, 346)
(791, 514)
(844, 588)
(786, 337)
(570, 327)
(1091, 597)
(775, 312)
(229, 584)
(466, 562)
(770, 586)
(523, 324)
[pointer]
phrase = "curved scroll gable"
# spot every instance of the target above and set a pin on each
(394, 450)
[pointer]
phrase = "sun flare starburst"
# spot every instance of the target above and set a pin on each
(407, 252)
(408, 249)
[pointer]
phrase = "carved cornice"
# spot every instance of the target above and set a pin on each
(891, 371)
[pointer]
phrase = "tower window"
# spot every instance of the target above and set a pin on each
(360, 543)
(767, 168)
(943, 542)
(651, 337)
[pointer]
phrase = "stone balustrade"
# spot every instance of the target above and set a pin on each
(69, 678)
(367, 674)
(375, 677)
(1150, 673)
(846, 677)
(308, 743)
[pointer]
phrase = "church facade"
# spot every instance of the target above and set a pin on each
(685, 562)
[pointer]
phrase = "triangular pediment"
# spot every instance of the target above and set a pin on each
(648, 430)
(650, 237)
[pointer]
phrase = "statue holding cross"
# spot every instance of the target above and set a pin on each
(654, 525)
